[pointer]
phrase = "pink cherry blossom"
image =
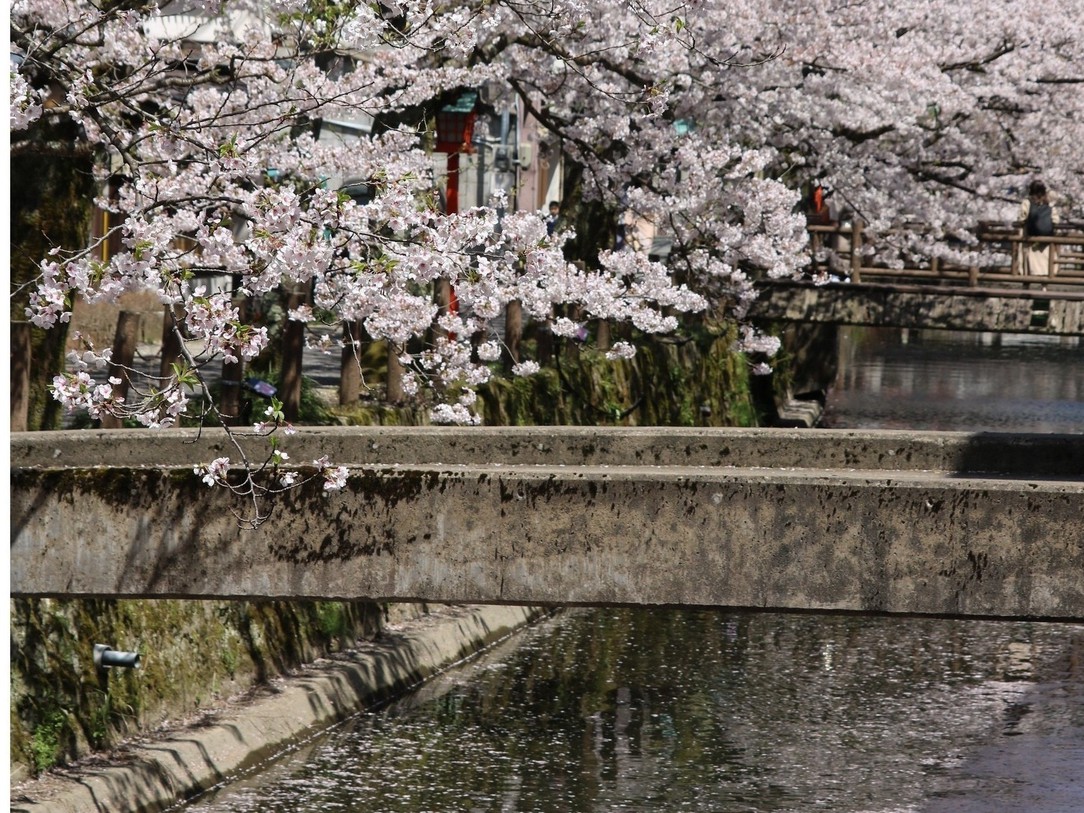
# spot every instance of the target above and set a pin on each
(696, 122)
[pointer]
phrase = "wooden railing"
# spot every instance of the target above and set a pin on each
(848, 247)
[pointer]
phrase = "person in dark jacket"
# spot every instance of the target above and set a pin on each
(1038, 218)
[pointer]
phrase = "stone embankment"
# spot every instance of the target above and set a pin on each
(960, 524)
(154, 774)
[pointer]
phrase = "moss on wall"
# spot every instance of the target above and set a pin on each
(690, 380)
(667, 383)
(193, 653)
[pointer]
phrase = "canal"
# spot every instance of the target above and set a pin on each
(950, 381)
(676, 710)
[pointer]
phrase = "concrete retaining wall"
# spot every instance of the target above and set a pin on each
(888, 450)
(876, 522)
(156, 775)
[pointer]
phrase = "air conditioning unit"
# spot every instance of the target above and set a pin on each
(524, 154)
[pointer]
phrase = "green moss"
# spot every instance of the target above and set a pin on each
(332, 619)
(371, 413)
(45, 741)
(229, 659)
(192, 653)
(529, 401)
(665, 384)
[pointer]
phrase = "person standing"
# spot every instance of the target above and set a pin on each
(1038, 217)
(818, 212)
(554, 216)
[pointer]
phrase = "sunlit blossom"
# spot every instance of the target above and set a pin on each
(335, 478)
(695, 133)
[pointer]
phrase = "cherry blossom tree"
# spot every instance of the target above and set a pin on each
(203, 114)
(700, 118)
(928, 115)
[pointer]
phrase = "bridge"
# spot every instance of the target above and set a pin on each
(997, 297)
(955, 524)
(907, 305)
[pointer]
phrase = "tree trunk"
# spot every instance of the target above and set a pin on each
(544, 338)
(234, 409)
(513, 333)
(442, 298)
(171, 342)
(350, 370)
(51, 205)
(572, 347)
(124, 348)
(20, 375)
(394, 393)
(603, 340)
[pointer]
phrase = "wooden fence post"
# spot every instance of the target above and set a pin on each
(20, 376)
(350, 367)
(856, 251)
(124, 347)
(816, 241)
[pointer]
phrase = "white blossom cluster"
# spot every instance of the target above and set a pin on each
(699, 119)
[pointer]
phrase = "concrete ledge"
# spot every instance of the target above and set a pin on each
(157, 775)
(875, 450)
(897, 522)
(899, 541)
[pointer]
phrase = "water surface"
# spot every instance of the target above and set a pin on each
(662, 710)
(670, 710)
(944, 380)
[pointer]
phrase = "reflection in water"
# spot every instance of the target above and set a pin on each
(670, 710)
(892, 379)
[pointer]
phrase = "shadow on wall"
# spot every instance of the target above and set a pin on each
(1054, 456)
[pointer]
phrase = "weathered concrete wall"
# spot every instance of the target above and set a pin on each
(886, 522)
(887, 450)
(157, 774)
(914, 306)
(195, 654)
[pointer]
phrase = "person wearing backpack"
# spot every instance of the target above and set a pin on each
(1038, 218)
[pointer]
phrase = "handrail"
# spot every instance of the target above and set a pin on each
(1066, 262)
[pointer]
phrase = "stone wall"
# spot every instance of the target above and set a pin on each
(194, 654)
